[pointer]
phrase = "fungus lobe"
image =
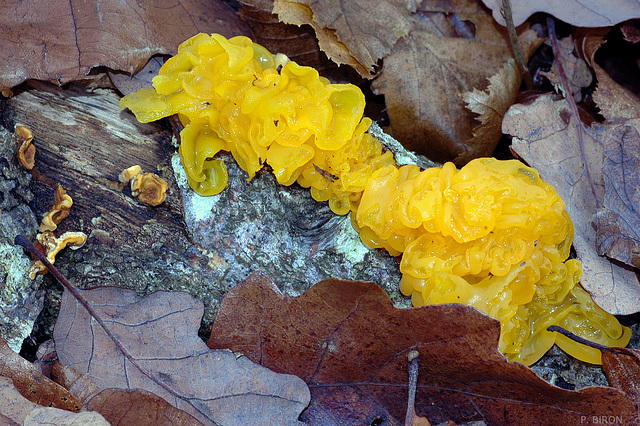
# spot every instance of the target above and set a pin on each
(491, 235)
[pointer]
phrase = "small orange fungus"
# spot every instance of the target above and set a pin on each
(149, 188)
(491, 235)
(60, 210)
(26, 151)
(128, 174)
(52, 245)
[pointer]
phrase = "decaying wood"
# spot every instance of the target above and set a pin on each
(83, 142)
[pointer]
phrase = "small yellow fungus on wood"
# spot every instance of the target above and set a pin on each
(60, 210)
(52, 246)
(149, 188)
(128, 174)
(26, 151)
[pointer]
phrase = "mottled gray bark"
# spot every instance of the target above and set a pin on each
(20, 297)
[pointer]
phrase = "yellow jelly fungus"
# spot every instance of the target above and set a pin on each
(491, 235)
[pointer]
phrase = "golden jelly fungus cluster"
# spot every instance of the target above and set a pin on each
(232, 96)
(491, 235)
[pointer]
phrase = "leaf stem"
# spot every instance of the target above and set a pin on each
(572, 103)
(515, 44)
(412, 368)
(583, 341)
(24, 242)
(577, 339)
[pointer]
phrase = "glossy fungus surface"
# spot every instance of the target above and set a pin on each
(491, 235)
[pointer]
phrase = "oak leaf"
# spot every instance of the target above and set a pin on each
(160, 332)
(352, 32)
(350, 344)
(581, 13)
(545, 135)
(622, 367)
(46, 416)
(576, 70)
(138, 407)
(119, 406)
(454, 47)
(491, 106)
(61, 41)
(617, 221)
(32, 384)
(15, 409)
(297, 42)
(616, 103)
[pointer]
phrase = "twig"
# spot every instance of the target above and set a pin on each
(326, 174)
(572, 103)
(24, 242)
(583, 341)
(515, 44)
(577, 339)
(412, 368)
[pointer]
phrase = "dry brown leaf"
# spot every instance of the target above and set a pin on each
(78, 384)
(545, 136)
(47, 416)
(142, 79)
(118, 406)
(338, 52)
(46, 357)
(454, 47)
(350, 344)
(491, 106)
(575, 68)
(32, 384)
(138, 407)
(160, 332)
(7, 421)
(353, 32)
(622, 368)
(61, 41)
(631, 31)
(297, 42)
(581, 13)
(15, 409)
(617, 222)
(12, 404)
(616, 103)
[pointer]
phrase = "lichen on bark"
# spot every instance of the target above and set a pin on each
(21, 299)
